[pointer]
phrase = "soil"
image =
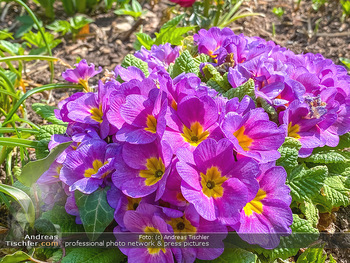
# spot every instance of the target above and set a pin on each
(301, 29)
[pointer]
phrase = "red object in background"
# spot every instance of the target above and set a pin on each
(184, 3)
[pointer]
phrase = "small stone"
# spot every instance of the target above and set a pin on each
(123, 26)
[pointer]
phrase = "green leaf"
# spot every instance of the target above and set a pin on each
(269, 109)
(33, 170)
(335, 192)
(214, 79)
(302, 235)
(4, 34)
(216, 86)
(59, 216)
(131, 60)
(23, 199)
(36, 39)
(289, 154)
(18, 256)
(45, 227)
(11, 48)
(231, 255)
(93, 255)
(331, 259)
(305, 184)
(328, 156)
(79, 22)
(185, 63)
(310, 211)
(346, 62)
(312, 255)
(202, 58)
(344, 141)
(144, 40)
(42, 149)
(47, 131)
(46, 112)
(248, 88)
(174, 35)
(95, 212)
(58, 26)
(171, 23)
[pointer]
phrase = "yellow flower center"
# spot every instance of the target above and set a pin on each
(154, 235)
(195, 135)
(97, 164)
(255, 205)
(133, 203)
(212, 182)
(293, 131)
(181, 225)
(151, 124)
(154, 172)
(244, 140)
(85, 84)
(97, 114)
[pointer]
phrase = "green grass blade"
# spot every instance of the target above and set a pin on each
(14, 142)
(37, 90)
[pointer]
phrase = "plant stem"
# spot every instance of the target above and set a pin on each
(206, 8)
(27, 57)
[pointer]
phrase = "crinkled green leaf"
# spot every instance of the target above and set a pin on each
(335, 192)
(289, 154)
(184, 63)
(46, 112)
(248, 88)
(33, 170)
(304, 183)
(131, 60)
(95, 212)
(312, 255)
(310, 211)
(328, 156)
(269, 109)
(59, 216)
(214, 85)
(215, 80)
(202, 58)
(93, 255)
(47, 131)
(303, 235)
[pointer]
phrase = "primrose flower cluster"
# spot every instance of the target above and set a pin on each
(177, 157)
